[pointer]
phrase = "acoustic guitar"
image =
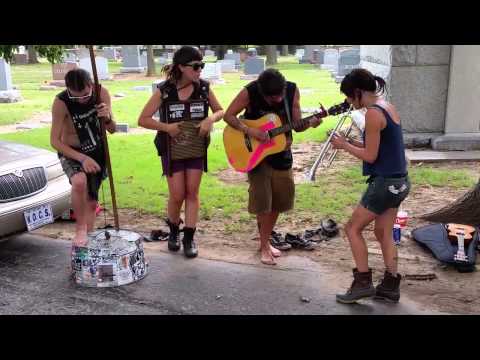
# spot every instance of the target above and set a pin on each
(460, 235)
(244, 152)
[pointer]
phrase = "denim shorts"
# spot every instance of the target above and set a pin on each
(385, 193)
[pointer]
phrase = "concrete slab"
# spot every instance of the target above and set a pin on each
(416, 156)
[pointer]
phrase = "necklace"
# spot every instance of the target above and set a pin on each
(183, 87)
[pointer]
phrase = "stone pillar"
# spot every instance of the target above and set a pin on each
(462, 121)
(417, 77)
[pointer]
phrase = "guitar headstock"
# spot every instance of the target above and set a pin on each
(460, 230)
(334, 110)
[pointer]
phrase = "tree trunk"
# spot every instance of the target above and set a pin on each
(284, 50)
(220, 51)
(464, 210)
(32, 55)
(271, 51)
(150, 61)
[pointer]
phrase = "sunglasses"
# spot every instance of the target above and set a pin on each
(79, 97)
(196, 66)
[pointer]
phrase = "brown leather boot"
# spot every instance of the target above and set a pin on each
(389, 288)
(362, 287)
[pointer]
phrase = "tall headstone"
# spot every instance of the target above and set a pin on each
(5, 76)
(7, 93)
(131, 59)
(102, 67)
(347, 61)
(308, 53)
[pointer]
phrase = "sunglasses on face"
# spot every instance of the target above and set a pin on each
(196, 66)
(79, 97)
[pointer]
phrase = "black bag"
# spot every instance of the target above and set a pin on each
(435, 238)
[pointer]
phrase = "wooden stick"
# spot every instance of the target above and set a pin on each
(105, 141)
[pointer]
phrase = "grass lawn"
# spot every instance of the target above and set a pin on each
(137, 170)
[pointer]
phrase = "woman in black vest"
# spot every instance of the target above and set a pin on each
(383, 155)
(182, 84)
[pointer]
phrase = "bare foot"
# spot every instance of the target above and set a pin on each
(275, 252)
(267, 258)
(80, 239)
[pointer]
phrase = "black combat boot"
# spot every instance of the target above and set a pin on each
(189, 246)
(362, 287)
(173, 240)
(389, 288)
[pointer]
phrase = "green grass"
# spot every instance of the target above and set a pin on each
(137, 170)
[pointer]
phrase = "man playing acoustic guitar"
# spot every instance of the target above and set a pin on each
(272, 189)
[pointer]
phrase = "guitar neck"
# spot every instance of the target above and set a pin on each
(287, 127)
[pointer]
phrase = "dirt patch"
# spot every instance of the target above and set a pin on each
(218, 239)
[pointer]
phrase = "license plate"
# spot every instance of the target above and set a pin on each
(38, 216)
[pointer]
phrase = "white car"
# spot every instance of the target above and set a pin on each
(34, 190)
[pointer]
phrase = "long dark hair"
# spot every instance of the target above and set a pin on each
(181, 57)
(362, 79)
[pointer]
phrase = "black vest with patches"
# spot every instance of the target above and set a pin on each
(258, 107)
(169, 94)
(87, 126)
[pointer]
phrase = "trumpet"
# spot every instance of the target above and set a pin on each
(327, 154)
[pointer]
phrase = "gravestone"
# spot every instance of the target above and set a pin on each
(60, 70)
(162, 60)
(227, 65)
(213, 72)
(299, 53)
(131, 59)
(5, 76)
(229, 51)
(7, 93)
(102, 67)
(252, 52)
(209, 53)
(143, 60)
(83, 53)
(21, 49)
(330, 60)
(69, 57)
(318, 56)
(254, 66)
(348, 60)
(235, 57)
(110, 53)
(154, 88)
(20, 59)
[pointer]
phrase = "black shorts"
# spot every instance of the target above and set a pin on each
(385, 193)
(94, 181)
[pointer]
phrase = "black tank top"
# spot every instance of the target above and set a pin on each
(258, 107)
(391, 152)
(87, 126)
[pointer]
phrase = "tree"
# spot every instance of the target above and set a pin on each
(53, 53)
(284, 50)
(151, 71)
(32, 54)
(271, 51)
